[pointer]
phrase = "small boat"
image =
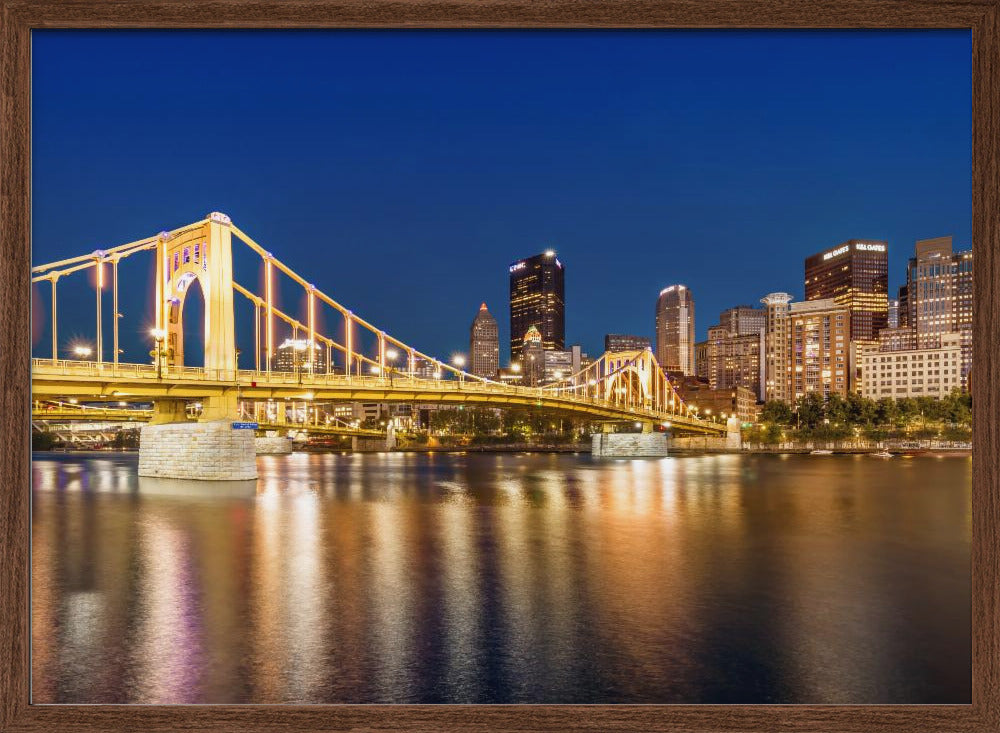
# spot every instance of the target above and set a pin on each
(882, 454)
(821, 452)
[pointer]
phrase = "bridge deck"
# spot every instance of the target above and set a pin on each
(66, 378)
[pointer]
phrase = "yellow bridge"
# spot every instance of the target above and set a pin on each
(363, 364)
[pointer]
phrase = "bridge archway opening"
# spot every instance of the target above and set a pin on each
(627, 387)
(186, 318)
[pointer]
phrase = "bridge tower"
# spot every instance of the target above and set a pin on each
(203, 253)
(170, 446)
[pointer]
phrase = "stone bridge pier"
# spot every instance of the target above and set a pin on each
(209, 449)
(647, 444)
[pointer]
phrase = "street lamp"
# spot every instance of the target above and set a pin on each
(459, 361)
(390, 356)
(82, 352)
(159, 335)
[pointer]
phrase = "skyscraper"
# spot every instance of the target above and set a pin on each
(484, 345)
(939, 294)
(295, 355)
(675, 329)
(537, 299)
(854, 274)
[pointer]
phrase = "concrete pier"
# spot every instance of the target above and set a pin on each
(629, 445)
(212, 451)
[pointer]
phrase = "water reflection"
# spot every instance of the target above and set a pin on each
(487, 578)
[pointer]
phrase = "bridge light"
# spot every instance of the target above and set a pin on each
(123, 404)
(158, 334)
(638, 424)
(666, 424)
(82, 351)
(391, 354)
(437, 374)
(73, 400)
(515, 368)
(458, 360)
(375, 370)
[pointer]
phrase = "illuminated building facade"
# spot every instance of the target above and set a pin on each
(893, 318)
(294, 355)
(933, 370)
(939, 286)
(537, 298)
(807, 348)
(675, 329)
(532, 357)
(484, 345)
(624, 342)
(854, 274)
(776, 366)
(728, 360)
(742, 320)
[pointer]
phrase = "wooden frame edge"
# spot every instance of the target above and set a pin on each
(19, 17)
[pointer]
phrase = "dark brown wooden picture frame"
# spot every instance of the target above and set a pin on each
(18, 19)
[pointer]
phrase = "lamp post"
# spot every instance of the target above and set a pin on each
(459, 361)
(159, 335)
(390, 356)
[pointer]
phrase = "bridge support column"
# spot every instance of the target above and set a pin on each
(171, 446)
(629, 445)
(165, 411)
(360, 444)
(220, 407)
(734, 436)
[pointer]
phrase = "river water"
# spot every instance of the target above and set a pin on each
(487, 578)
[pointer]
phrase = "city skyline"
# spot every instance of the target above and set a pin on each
(420, 174)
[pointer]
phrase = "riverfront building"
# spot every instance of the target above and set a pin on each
(675, 330)
(484, 345)
(537, 300)
(806, 348)
(710, 403)
(854, 274)
(933, 370)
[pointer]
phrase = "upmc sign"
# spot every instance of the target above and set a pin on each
(858, 247)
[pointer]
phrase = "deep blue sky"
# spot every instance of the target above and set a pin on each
(404, 170)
